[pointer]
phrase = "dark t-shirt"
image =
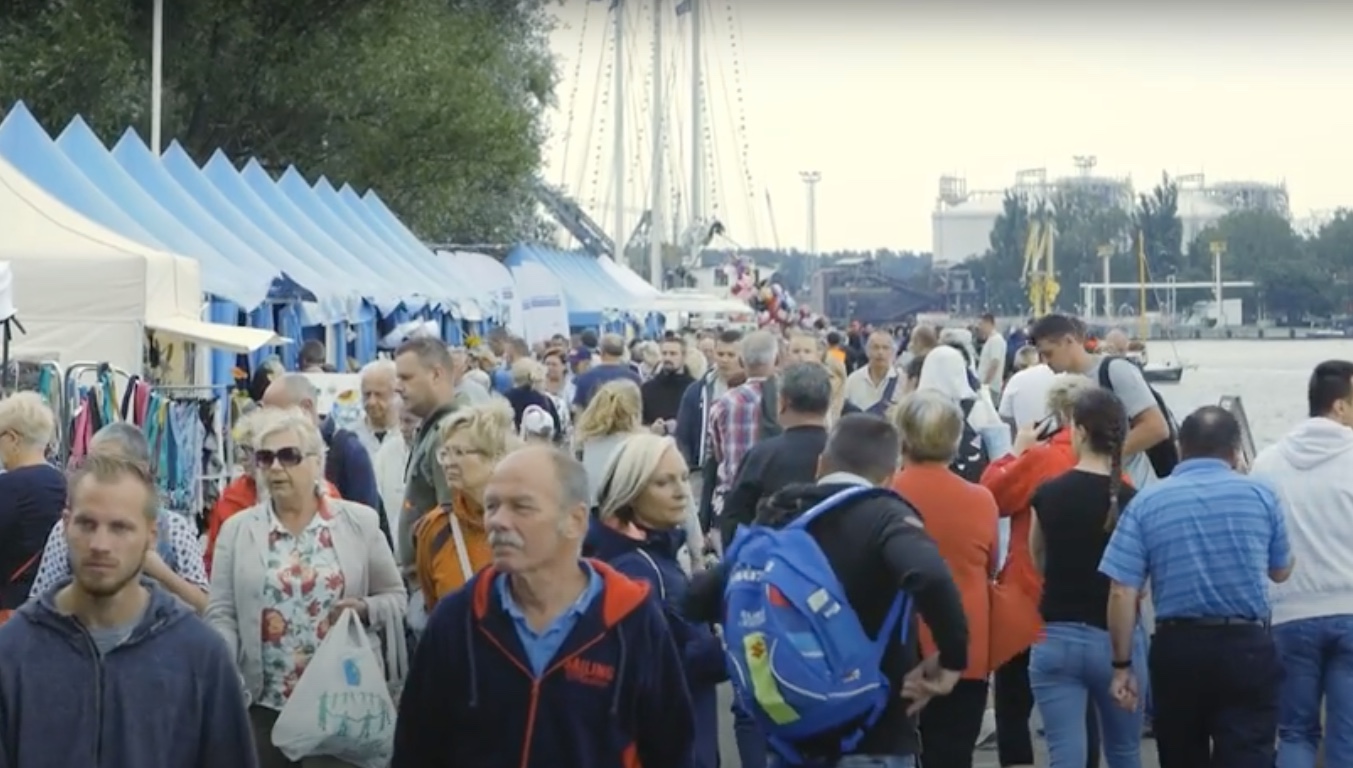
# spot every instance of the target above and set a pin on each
(597, 377)
(31, 502)
(1072, 509)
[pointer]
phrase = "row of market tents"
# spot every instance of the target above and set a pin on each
(107, 244)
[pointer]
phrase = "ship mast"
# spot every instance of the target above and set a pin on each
(618, 137)
(697, 196)
(657, 204)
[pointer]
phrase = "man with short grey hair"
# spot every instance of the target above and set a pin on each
(380, 405)
(805, 395)
(176, 560)
(346, 463)
(747, 414)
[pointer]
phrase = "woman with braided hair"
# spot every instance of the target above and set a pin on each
(1073, 515)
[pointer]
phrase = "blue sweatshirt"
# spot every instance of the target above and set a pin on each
(702, 654)
(613, 697)
(168, 696)
(348, 466)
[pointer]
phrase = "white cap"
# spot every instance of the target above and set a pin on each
(536, 422)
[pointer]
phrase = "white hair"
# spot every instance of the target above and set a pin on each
(381, 367)
(272, 421)
(28, 416)
(628, 472)
(760, 348)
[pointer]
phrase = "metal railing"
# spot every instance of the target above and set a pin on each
(1233, 404)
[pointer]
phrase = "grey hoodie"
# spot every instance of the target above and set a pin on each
(1310, 468)
(168, 697)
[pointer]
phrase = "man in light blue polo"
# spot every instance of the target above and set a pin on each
(1210, 540)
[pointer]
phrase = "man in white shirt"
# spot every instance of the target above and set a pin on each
(380, 404)
(991, 361)
(875, 387)
(1024, 401)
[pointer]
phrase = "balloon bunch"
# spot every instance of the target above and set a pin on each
(774, 306)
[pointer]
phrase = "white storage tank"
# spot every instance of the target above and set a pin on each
(962, 230)
(1197, 211)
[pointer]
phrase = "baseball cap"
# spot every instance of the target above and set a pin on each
(536, 421)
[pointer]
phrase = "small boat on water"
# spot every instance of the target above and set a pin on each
(1157, 373)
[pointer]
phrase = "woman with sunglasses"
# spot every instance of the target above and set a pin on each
(287, 568)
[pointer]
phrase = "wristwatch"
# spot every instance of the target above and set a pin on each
(1123, 664)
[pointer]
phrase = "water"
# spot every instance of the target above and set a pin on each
(1269, 376)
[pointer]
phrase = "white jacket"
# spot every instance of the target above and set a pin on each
(389, 463)
(1312, 470)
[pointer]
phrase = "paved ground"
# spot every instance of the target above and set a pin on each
(983, 758)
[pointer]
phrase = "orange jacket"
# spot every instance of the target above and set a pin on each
(1012, 480)
(962, 519)
(436, 559)
(239, 495)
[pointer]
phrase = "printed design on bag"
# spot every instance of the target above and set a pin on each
(352, 672)
(590, 673)
(302, 581)
(355, 714)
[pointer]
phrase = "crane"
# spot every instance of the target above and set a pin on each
(1039, 276)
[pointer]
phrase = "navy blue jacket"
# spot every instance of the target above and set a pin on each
(348, 466)
(614, 696)
(169, 696)
(690, 426)
(701, 651)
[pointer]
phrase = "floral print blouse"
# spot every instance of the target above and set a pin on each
(303, 581)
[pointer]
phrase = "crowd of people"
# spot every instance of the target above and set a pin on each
(556, 555)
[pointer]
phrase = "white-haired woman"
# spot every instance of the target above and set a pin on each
(287, 568)
(32, 494)
(944, 370)
(643, 505)
(528, 377)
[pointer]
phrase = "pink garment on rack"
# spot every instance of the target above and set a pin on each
(81, 431)
(140, 402)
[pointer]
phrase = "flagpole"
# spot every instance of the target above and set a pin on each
(658, 218)
(618, 139)
(692, 8)
(156, 76)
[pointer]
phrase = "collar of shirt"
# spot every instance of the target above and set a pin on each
(578, 608)
(843, 478)
(321, 519)
(1198, 466)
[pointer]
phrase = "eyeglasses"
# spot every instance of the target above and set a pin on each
(447, 455)
(287, 457)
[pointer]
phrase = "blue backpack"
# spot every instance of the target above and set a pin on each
(798, 657)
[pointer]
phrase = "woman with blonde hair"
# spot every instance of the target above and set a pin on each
(840, 406)
(451, 543)
(615, 412)
(32, 494)
(288, 568)
(644, 501)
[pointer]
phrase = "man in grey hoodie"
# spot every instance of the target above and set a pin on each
(108, 669)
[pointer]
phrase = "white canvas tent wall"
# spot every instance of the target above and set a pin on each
(84, 293)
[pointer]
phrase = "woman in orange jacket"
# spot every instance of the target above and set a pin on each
(962, 519)
(1012, 480)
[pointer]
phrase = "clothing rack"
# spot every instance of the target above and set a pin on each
(216, 450)
(102, 392)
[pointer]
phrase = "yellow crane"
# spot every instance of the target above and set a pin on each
(1039, 276)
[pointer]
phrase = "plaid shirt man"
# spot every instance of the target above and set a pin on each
(734, 427)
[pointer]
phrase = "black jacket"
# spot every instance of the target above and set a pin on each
(770, 466)
(875, 546)
(662, 395)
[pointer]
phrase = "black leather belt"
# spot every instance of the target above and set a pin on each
(1211, 621)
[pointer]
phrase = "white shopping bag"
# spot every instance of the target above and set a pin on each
(341, 706)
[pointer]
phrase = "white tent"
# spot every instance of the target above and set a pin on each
(495, 289)
(628, 279)
(696, 303)
(86, 294)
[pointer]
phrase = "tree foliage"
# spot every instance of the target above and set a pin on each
(437, 104)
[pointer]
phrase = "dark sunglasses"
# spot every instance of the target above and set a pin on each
(287, 457)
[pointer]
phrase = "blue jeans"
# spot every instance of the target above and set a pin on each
(1072, 669)
(1317, 659)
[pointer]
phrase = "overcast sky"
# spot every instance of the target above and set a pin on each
(884, 98)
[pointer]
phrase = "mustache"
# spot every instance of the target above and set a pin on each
(505, 539)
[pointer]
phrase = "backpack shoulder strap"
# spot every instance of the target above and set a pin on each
(1105, 380)
(662, 583)
(836, 500)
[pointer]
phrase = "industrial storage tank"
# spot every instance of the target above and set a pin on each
(962, 229)
(1251, 196)
(1197, 211)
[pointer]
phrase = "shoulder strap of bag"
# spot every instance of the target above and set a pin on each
(662, 583)
(1105, 380)
(463, 556)
(23, 569)
(836, 500)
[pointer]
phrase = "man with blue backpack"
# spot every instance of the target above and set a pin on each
(816, 600)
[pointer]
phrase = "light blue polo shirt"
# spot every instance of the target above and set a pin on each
(542, 646)
(1206, 538)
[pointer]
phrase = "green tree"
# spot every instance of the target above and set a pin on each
(1293, 284)
(1001, 268)
(1085, 223)
(1156, 219)
(437, 104)
(1332, 248)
